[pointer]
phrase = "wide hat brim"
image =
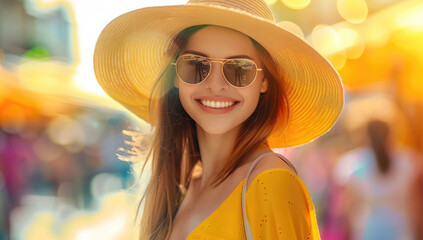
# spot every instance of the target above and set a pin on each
(130, 51)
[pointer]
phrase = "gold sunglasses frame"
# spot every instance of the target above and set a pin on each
(218, 60)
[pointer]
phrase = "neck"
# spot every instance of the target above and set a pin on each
(215, 150)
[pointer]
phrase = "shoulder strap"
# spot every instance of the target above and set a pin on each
(248, 232)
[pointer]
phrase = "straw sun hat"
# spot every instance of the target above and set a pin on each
(130, 54)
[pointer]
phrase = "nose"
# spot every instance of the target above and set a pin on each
(216, 81)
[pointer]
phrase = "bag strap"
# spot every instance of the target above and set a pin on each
(248, 232)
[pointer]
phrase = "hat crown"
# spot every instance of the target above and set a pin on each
(254, 7)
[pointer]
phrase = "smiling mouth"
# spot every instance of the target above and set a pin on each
(217, 104)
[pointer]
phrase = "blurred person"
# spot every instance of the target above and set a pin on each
(14, 157)
(377, 190)
(317, 163)
(223, 84)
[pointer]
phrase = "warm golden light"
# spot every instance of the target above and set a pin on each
(352, 42)
(408, 40)
(112, 221)
(354, 11)
(371, 108)
(296, 4)
(376, 34)
(338, 60)
(13, 118)
(61, 116)
(46, 76)
(41, 227)
(377, 106)
(412, 18)
(292, 27)
(325, 40)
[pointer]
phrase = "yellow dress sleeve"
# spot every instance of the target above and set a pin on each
(279, 207)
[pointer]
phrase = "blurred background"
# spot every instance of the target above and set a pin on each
(62, 174)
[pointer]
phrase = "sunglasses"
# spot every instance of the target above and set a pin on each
(194, 69)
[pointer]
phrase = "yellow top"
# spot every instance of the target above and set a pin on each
(278, 207)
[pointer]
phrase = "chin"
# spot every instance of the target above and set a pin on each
(218, 129)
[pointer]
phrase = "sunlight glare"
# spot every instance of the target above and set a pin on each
(296, 4)
(354, 11)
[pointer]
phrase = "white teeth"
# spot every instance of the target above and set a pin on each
(214, 104)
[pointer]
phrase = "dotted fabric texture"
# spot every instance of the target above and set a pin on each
(278, 207)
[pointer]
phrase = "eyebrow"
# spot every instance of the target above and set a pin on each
(205, 55)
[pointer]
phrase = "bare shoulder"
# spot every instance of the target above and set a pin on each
(269, 162)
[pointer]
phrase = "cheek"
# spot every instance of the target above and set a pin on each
(184, 97)
(254, 102)
(184, 103)
(253, 94)
(249, 106)
(252, 98)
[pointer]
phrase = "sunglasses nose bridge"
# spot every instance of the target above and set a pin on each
(222, 62)
(217, 61)
(217, 72)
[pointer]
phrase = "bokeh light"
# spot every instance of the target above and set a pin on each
(376, 34)
(327, 42)
(91, 128)
(338, 60)
(46, 150)
(103, 184)
(354, 11)
(64, 131)
(42, 76)
(352, 41)
(296, 4)
(412, 18)
(13, 118)
(62, 139)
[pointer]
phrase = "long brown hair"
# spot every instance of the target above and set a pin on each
(378, 132)
(174, 149)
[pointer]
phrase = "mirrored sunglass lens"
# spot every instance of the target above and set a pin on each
(192, 69)
(240, 72)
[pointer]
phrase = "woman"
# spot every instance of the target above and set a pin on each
(222, 84)
(377, 191)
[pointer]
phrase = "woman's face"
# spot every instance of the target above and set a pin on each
(222, 43)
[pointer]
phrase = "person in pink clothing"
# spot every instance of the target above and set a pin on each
(378, 189)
